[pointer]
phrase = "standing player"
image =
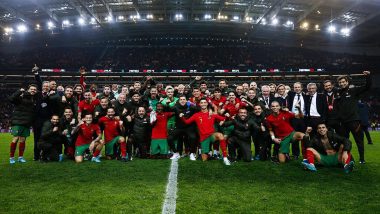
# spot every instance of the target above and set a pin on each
(281, 131)
(205, 123)
(329, 149)
(89, 137)
(22, 119)
(87, 105)
(113, 129)
(159, 144)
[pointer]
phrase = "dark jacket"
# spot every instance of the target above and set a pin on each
(47, 133)
(335, 142)
(243, 129)
(331, 113)
(346, 102)
(321, 105)
(140, 127)
(25, 108)
(188, 111)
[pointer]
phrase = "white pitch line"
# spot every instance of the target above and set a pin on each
(169, 205)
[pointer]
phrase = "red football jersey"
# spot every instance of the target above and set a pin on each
(88, 107)
(86, 134)
(159, 130)
(280, 124)
(111, 128)
(205, 123)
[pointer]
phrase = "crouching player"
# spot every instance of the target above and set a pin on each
(113, 129)
(205, 123)
(329, 149)
(89, 137)
(281, 131)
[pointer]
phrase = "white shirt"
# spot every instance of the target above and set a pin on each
(302, 103)
(313, 106)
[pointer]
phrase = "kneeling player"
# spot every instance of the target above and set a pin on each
(86, 140)
(281, 131)
(329, 149)
(205, 123)
(113, 129)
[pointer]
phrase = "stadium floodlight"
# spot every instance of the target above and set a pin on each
(263, 21)
(93, 20)
(274, 21)
(81, 21)
(345, 31)
(38, 26)
(22, 28)
(50, 25)
(65, 23)
(109, 18)
(235, 18)
(8, 30)
(178, 16)
(289, 24)
(149, 16)
(331, 29)
(207, 16)
(222, 17)
(120, 18)
(248, 19)
(316, 27)
(305, 25)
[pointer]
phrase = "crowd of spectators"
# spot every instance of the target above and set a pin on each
(117, 58)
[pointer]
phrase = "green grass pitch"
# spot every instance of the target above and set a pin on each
(210, 187)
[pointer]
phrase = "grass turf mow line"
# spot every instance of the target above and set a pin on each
(169, 205)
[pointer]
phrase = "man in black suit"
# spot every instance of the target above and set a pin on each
(315, 108)
(266, 98)
(297, 98)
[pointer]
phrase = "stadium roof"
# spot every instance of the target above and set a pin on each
(358, 19)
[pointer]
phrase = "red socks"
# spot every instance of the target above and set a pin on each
(310, 156)
(123, 149)
(349, 158)
(96, 153)
(21, 149)
(223, 146)
(13, 149)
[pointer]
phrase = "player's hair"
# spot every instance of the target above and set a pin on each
(346, 77)
(328, 81)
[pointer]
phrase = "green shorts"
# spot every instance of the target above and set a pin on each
(20, 131)
(285, 143)
(79, 150)
(330, 160)
(205, 145)
(110, 145)
(159, 146)
(228, 130)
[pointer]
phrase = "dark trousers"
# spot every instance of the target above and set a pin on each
(180, 135)
(243, 145)
(51, 149)
(357, 132)
(366, 132)
(140, 142)
(263, 145)
(37, 129)
(299, 126)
